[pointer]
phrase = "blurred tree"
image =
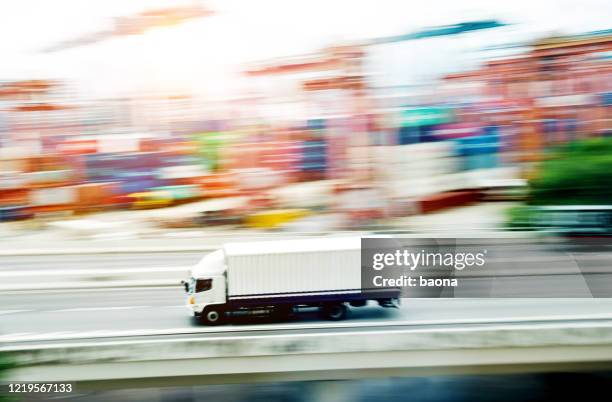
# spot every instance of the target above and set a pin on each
(6, 364)
(578, 173)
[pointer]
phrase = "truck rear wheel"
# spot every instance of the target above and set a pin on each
(335, 311)
(212, 316)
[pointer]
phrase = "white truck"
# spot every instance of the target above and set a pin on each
(279, 278)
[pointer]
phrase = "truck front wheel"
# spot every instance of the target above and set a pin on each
(212, 316)
(335, 311)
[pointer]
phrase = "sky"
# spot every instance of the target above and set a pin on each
(207, 54)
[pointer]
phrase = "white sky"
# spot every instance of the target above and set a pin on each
(204, 54)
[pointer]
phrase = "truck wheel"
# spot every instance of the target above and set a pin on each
(212, 316)
(335, 312)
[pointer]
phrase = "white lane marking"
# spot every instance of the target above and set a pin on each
(90, 284)
(16, 335)
(95, 271)
(4, 312)
(31, 336)
(106, 251)
(301, 326)
(67, 310)
(81, 290)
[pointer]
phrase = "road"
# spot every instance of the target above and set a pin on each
(520, 269)
(54, 317)
(523, 270)
(95, 314)
(98, 261)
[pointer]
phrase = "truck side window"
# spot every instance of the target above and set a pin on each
(203, 285)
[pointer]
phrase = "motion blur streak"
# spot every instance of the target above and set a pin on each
(136, 137)
(321, 133)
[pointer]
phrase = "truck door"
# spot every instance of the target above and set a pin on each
(210, 291)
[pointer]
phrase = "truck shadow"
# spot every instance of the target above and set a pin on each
(311, 315)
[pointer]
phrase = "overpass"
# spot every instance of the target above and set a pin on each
(346, 351)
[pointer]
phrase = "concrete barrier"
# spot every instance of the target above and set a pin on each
(305, 356)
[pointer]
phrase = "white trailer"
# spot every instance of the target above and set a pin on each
(279, 277)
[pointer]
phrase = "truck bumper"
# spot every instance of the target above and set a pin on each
(194, 308)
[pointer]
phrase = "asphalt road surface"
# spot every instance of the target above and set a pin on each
(90, 315)
(94, 314)
(521, 270)
(98, 261)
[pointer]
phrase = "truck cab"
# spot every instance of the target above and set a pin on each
(207, 285)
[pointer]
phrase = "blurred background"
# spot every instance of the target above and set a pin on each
(136, 136)
(357, 123)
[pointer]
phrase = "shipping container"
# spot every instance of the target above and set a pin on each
(181, 172)
(481, 161)
(12, 180)
(47, 177)
(214, 185)
(10, 197)
(52, 196)
(92, 195)
(412, 152)
(118, 143)
(314, 156)
(14, 213)
(13, 165)
(128, 187)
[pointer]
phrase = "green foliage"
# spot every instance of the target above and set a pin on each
(6, 364)
(579, 173)
(520, 217)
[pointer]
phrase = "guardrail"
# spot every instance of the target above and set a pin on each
(516, 347)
